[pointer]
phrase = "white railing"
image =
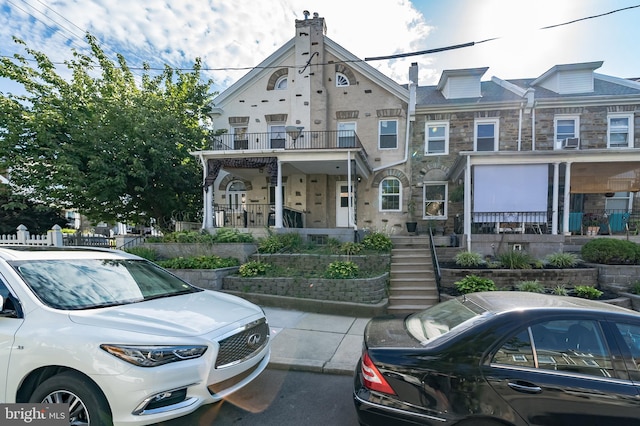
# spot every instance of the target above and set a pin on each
(23, 238)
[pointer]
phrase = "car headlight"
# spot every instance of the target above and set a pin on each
(153, 356)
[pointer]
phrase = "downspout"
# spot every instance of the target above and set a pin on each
(350, 193)
(207, 196)
(467, 202)
(520, 129)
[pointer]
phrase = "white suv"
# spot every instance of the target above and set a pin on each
(119, 339)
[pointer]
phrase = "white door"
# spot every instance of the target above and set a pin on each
(342, 204)
(346, 134)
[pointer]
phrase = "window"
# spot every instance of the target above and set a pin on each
(576, 346)
(436, 138)
(435, 200)
(240, 138)
(341, 80)
(388, 134)
(619, 202)
(281, 83)
(346, 134)
(277, 136)
(631, 336)
(390, 194)
(566, 127)
(620, 131)
(486, 135)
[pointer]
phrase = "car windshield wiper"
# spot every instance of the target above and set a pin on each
(163, 295)
(107, 304)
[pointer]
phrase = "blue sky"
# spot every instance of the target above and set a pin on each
(229, 34)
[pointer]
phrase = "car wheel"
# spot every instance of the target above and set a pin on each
(87, 404)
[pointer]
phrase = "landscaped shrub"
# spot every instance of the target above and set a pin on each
(199, 262)
(276, 243)
(587, 292)
(635, 288)
(562, 260)
(474, 283)
(377, 242)
(469, 259)
(222, 235)
(232, 235)
(253, 269)
(147, 253)
(350, 248)
(341, 270)
(515, 259)
(611, 251)
(530, 286)
(559, 290)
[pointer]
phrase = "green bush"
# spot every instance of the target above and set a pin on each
(350, 248)
(515, 259)
(199, 262)
(559, 290)
(587, 292)
(377, 242)
(276, 243)
(147, 253)
(562, 260)
(469, 259)
(253, 269)
(271, 244)
(341, 270)
(635, 288)
(611, 251)
(474, 283)
(232, 235)
(222, 235)
(530, 286)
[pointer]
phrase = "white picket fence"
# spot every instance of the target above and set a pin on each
(23, 238)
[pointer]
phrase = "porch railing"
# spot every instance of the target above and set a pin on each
(268, 141)
(255, 216)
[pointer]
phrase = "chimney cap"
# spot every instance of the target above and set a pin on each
(315, 15)
(306, 14)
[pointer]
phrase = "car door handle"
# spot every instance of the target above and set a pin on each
(524, 387)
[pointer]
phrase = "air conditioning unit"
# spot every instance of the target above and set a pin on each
(571, 143)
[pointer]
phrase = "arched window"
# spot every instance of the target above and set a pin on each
(390, 194)
(281, 83)
(341, 80)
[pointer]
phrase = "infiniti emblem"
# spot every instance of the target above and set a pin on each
(254, 340)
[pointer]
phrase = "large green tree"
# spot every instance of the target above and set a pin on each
(17, 209)
(112, 144)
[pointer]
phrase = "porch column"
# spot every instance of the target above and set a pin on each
(554, 212)
(467, 202)
(566, 198)
(349, 192)
(278, 223)
(208, 208)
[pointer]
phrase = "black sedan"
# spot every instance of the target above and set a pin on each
(502, 358)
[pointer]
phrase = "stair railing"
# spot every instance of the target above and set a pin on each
(434, 260)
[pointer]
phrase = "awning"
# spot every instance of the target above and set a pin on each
(602, 178)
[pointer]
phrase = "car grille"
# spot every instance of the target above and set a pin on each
(243, 345)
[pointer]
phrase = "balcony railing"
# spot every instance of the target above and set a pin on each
(278, 140)
(255, 216)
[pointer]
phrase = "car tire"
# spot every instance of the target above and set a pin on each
(87, 402)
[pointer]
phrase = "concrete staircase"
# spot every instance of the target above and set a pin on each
(412, 280)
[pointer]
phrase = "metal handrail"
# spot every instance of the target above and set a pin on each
(434, 261)
(276, 140)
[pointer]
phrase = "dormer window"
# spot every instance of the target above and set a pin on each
(281, 83)
(341, 80)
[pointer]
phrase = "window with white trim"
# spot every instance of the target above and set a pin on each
(434, 195)
(566, 126)
(277, 136)
(388, 134)
(620, 131)
(346, 134)
(240, 138)
(342, 80)
(618, 202)
(281, 83)
(486, 135)
(436, 138)
(390, 194)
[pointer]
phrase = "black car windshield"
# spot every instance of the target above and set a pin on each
(74, 284)
(439, 319)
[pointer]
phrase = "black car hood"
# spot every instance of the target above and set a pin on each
(388, 332)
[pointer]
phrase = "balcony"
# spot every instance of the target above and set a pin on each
(327, 140)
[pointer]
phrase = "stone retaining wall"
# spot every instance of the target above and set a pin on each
(617, 278)
(358, 290)
(210, 279)
(240, 251)
(317, 262)
(508, 278)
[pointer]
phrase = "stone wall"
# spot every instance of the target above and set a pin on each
(617, 278)
(210, 279)
(359, 290)
(240, 251)
(508, 278)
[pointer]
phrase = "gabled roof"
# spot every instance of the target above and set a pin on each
(566, 67)
(287, 49)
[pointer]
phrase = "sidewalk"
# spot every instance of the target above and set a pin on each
(315, 342)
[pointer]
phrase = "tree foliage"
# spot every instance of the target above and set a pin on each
(17, 209)
(109, 143)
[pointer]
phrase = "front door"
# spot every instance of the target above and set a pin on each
(342, 204)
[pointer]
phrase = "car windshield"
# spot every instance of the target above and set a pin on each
(439, 319)
(92, 283)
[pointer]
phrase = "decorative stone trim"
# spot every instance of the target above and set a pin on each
(390, 173)
(271, 84)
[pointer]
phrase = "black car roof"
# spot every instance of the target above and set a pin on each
(504, 301)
